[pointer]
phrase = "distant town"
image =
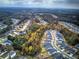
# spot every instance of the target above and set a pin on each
(39, 33)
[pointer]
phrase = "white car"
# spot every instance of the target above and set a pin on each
(12, 54)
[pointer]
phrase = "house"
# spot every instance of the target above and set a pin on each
(7, 42)
(77, 46)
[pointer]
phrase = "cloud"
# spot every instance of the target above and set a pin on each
(40, 3)
(73, 1)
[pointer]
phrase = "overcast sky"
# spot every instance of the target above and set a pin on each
(41, 3)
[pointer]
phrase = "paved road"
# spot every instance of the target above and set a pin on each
(59, 39)
(50, 43)
(51, 48)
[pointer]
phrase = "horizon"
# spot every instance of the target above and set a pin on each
(38, 8)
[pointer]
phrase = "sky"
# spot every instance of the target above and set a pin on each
(74, 4)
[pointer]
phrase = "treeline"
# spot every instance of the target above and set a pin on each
(71, 38)
(29, 44)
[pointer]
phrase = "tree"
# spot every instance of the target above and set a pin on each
(11, 38)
